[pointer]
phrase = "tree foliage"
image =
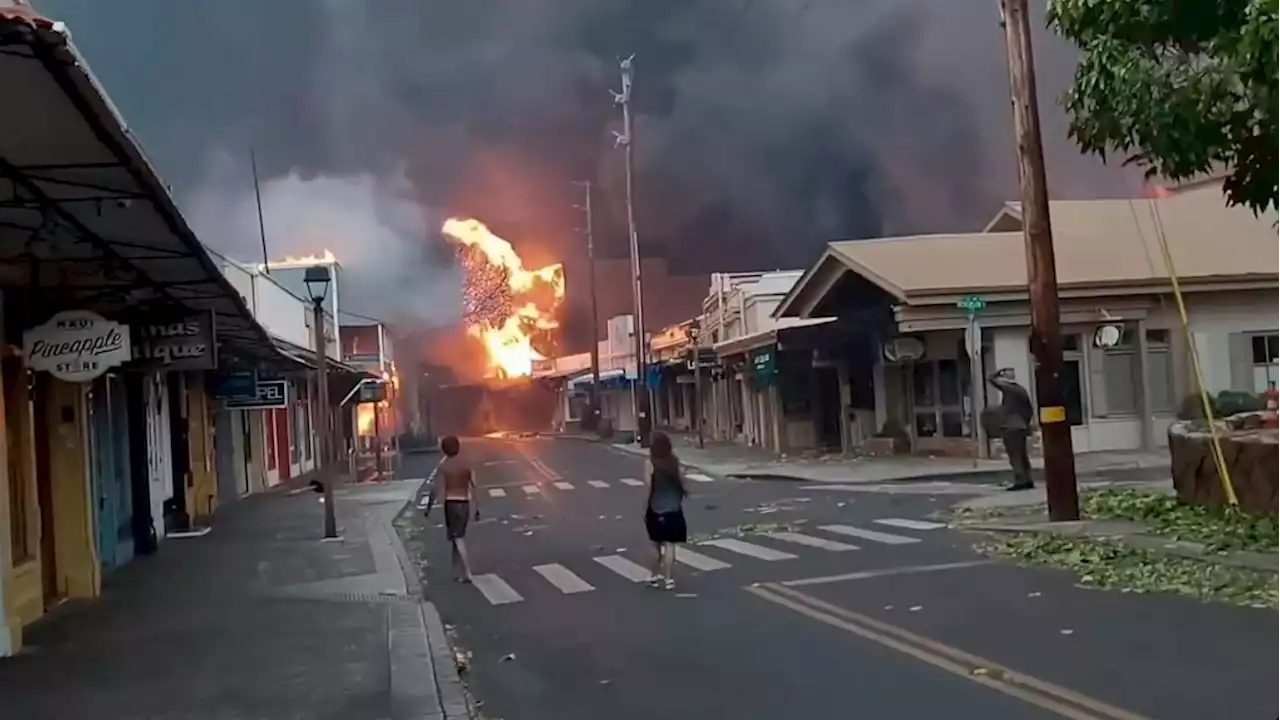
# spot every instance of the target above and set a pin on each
(1179, 87)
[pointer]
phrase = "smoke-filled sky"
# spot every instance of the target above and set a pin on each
(763, 128)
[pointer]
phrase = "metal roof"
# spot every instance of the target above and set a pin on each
(82, 210)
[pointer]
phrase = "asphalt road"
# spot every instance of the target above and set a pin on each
(830, 603)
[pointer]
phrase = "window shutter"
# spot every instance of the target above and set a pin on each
(1240, 352)
(1097, 382)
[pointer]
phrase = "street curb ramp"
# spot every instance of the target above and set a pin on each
(423, 639)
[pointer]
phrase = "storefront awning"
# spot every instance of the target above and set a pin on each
(746, 343)
(305, 358)
(608, 378)
(82, 211)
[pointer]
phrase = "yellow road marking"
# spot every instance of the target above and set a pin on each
(538, 465)
(1060, 700)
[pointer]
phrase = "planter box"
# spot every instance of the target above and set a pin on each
(887, 446)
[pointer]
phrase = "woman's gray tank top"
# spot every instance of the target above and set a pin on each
(665, 494)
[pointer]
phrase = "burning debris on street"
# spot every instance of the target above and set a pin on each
(505, 305)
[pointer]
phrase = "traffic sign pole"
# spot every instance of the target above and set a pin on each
(977, 381)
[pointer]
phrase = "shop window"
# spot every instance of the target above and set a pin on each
(1122, 375)
(269, 432)
(304, 411)
(941, 389)
(16, 404)
(1121, 381)
(1265, 348)
(294, 426)
(1160, 371)
(1073, 384)
(579, 406)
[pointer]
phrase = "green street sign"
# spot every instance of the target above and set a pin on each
(972, 303)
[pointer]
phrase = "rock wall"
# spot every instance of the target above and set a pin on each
(1250, 452)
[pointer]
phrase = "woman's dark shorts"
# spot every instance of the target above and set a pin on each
(667, 527)
(456, 515)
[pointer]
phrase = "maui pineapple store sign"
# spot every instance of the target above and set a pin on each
(77, 346)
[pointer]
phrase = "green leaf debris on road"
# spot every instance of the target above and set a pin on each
(1109, 566)
(1219, 529)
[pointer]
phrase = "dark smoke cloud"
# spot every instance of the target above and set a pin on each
(763, 127)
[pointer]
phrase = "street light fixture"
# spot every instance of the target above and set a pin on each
(317, 279)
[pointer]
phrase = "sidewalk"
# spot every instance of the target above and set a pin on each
(258, 620)
(730, 459)
(1024, 513)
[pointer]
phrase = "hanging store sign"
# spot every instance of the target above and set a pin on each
(764, 365)
(76, 346)
(270, 394)
(184, 344)
(372, 392)
(236, 385)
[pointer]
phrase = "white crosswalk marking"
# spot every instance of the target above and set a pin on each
(624, 567)
(698, 561)
(598, 483)
(564, 485)
(497, 492)
(495, 589)
(910, 524)
(811, 541)
(746, 548)
(699, 477)
(871, 535)
(563, 578)
(632, 482)
(531, 489)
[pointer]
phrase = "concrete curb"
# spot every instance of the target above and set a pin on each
(578, 438)
(978, 476)
(640, 452)
(1081, 530)
(419, 648)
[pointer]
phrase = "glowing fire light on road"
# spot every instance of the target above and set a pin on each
(504, 303)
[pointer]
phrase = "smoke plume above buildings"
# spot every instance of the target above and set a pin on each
(374, 226)
(763, 128)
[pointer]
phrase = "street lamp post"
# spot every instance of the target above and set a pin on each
(317, 280)
(695, 330)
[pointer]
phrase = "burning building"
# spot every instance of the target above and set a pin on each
(513, 314)
(507, 307)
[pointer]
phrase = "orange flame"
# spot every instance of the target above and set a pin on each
(364, 419)
(508, 338)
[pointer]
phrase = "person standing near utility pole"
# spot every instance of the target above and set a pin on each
(1014, 423)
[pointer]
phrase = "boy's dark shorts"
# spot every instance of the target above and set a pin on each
(456, 515)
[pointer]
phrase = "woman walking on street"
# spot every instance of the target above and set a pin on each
(664, 511)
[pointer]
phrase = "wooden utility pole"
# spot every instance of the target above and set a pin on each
(1042, 279)
(589, 231)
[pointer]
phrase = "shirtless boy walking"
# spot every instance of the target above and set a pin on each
(457, 482)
